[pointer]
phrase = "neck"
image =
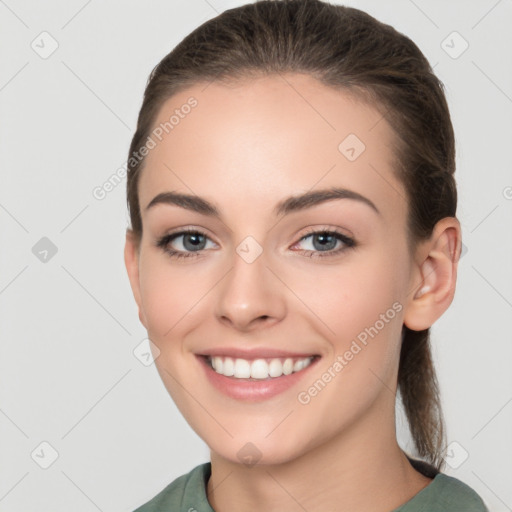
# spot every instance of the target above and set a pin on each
(358, 470)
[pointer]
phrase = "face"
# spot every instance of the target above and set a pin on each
(263, 278)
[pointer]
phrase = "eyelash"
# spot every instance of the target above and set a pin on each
(166, 239)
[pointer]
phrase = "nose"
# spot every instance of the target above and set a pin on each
(250, 296)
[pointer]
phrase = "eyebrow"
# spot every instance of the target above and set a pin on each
(289, 205)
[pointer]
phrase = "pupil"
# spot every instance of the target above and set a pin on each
(328, 238)
(194, 238)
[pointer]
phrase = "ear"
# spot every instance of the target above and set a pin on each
(131, 261)
(434, 276)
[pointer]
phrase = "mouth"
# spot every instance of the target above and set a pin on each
(258, 369)
(255, 379)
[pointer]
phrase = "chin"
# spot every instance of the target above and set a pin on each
(252, 451)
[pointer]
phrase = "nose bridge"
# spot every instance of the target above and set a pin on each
(250, 292)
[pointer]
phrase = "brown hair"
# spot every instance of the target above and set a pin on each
(350, 50)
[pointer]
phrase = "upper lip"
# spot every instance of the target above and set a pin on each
(254, 353)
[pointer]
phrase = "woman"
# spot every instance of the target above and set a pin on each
(293, 238)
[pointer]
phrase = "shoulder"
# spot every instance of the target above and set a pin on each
(453, 494)
(445, 494)
(182, 493)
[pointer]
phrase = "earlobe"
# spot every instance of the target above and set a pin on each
(131, 260)
(433, 284)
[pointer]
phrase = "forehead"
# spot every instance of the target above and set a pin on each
(268, 137)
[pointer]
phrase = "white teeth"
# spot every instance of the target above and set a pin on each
(229, 367)
(218, 364)
(275, 368)
(298, 366)
(258, 368)
(242, 369)
(288, 366)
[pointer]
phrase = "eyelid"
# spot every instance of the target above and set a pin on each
(168, 236)
(188, 229)
(348, 241)
(326, 228)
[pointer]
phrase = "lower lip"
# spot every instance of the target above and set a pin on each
(253, 390)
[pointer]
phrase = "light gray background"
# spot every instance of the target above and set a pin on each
(68, 374)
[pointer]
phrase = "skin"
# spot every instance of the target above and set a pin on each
(246, 147)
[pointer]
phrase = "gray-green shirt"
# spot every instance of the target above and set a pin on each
(444, 494)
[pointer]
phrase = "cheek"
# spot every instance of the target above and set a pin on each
(358, 311)
(348, 297)
(167, 294)
(176, 297)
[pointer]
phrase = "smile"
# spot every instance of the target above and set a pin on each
(255, 379)
(258, 368)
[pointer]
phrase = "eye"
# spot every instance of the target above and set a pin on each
(189, 243)
(191, 240)
(325, 243)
